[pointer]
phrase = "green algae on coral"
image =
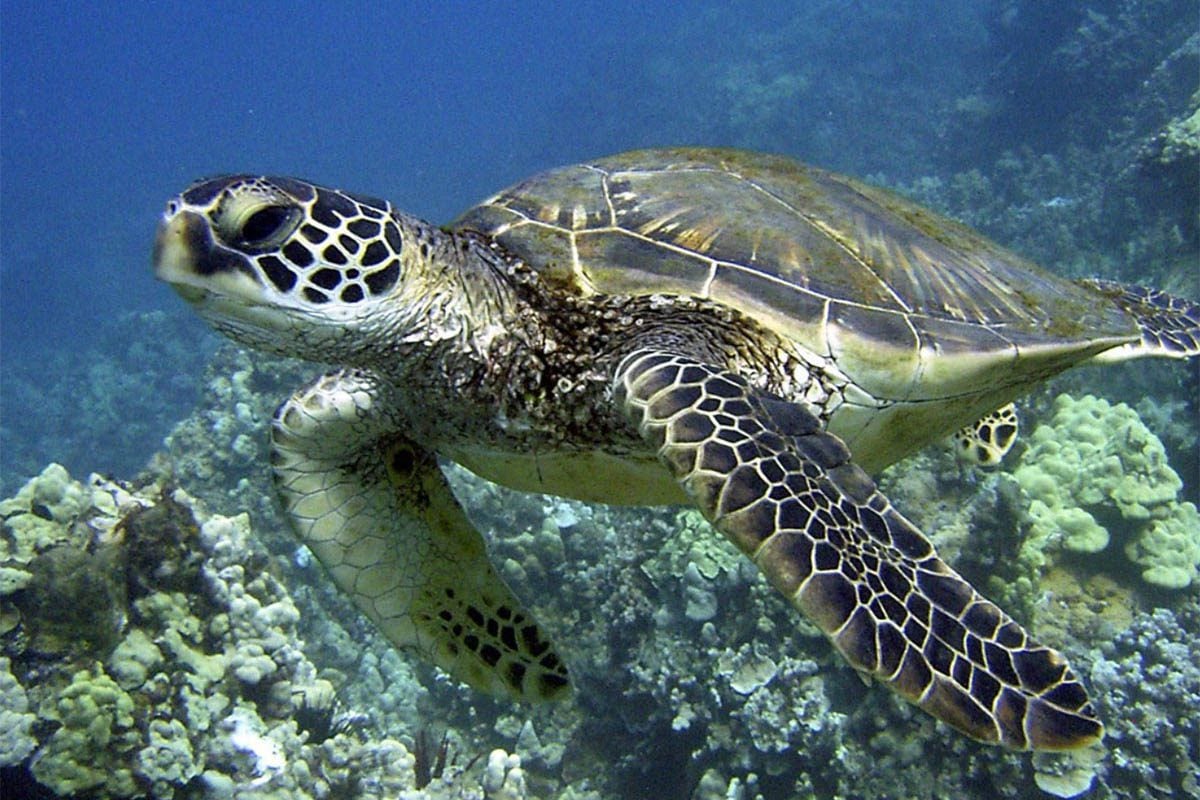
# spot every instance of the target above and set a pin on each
(190, 692)
(1094, 471)
(95, 729)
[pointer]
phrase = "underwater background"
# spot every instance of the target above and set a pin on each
(161, 634)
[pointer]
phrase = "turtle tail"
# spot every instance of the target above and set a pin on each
(1170, 325)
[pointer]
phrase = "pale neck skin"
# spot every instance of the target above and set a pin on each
(464, 351)
(452, 308)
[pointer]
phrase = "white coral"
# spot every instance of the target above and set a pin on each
(503, 778)
(267, 759)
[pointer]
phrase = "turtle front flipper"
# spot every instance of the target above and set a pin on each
(378, 513)
(786, 493)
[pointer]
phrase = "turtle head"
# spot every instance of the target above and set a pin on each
(278, 263)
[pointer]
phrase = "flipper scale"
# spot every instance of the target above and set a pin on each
(377, 512)
(1169, 325)
(788, 495)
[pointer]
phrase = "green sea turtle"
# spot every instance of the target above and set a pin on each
(685, 325)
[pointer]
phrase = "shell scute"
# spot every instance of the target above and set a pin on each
(847, 270)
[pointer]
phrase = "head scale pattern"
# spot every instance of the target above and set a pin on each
(310, 243)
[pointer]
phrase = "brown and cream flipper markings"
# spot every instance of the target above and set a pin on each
(787, 494)
(1170, 325)
(379, 515)
(987, 440)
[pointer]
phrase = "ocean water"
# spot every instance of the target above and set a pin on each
(1066, 131)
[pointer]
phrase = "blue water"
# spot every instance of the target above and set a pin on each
(107, 110)
(1033, 121)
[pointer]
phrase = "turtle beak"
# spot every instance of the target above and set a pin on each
(186, 257)
(175, 249)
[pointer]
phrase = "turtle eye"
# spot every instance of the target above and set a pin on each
(268, 226)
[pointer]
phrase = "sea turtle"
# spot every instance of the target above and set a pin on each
(709, 326)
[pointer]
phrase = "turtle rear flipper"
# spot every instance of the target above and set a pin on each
(1170, 325)
(987, 440)
(378, 513)
(786, 493)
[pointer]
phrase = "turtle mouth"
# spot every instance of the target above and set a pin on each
(187, 257)
(173, 252)
(193, 294)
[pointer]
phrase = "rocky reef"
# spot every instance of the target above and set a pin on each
(1097, 461)
(149, 651)
(155, 644)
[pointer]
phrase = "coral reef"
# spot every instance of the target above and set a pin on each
(1179, 141)
(199, 685)
(206, 688)
(218, 450)
(1094, 472)
(230, 667)
(1143, 679)
(16, 720)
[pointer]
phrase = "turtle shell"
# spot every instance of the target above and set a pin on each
(909, 304)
